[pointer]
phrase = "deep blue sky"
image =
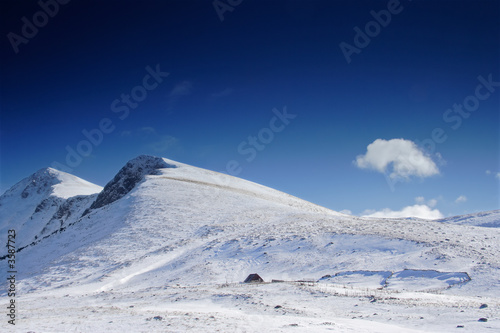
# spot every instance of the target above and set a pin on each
(225, 78)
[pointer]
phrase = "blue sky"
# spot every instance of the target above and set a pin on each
(171, 79)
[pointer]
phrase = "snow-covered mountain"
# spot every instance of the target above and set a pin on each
(489, 219)
(41, 204)
(167, 238)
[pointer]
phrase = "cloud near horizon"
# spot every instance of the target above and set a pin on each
(346, 211)
(495, 174)
(421, 211)
(431, 203)
(405, 157)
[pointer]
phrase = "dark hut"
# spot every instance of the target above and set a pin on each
(253, 278)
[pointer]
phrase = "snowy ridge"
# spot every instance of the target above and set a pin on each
(29, 205)
(489, 219)
(128, 177)
(168, 239)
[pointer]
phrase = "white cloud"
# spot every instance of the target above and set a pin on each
(346, 211)
(461, 199)
(146, 131)
(163, 143)
(440, 160)
(223, 93)
(495, 174)
(181, 89)
(141, 132)
(432, 203)
(406, 158)
(419, 200)
(421, 211)
(153, 140)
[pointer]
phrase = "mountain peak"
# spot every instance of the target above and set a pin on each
(46, 172)
(30, 204)
(128, 177)
(149, 160)
(40, 183)
(48, 181)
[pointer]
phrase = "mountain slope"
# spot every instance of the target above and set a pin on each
(165, 229)
(171, 207)
(32, 205)
(489, 219)
(212, 226)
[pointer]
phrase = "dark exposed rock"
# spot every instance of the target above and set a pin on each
(65, 210)
(127, 178)
(47, 203)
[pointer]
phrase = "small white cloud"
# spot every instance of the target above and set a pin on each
(495, 174)
(183, 88)
(141, 132)
(223, 93)
(152, 139)
(440, 160)
(420, 200)
(406, 158)
(163, 143)
(146, 131)
(180, 90)
(421, 211)
(367, 212)
(432, 203)
(461, 199)
(346, 211)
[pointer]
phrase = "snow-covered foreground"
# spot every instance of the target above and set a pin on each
(272, 307)
(164, 247)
